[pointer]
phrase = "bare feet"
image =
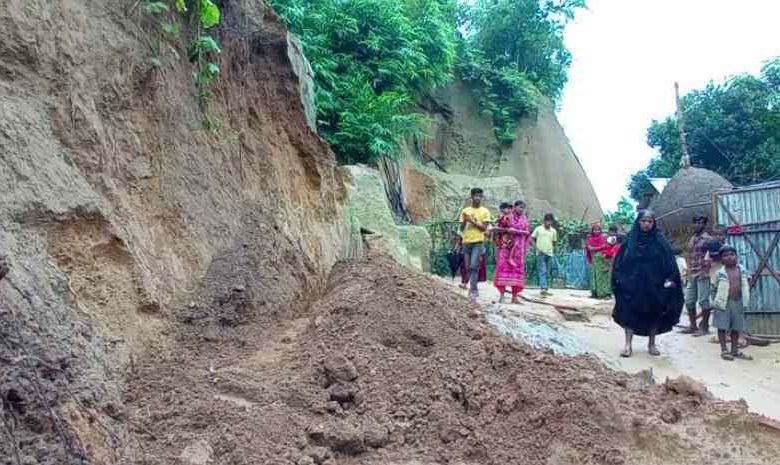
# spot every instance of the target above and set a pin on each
(741, 356)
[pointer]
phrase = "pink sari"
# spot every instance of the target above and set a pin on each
(510, 261)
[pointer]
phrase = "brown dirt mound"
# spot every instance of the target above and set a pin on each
(391, 367)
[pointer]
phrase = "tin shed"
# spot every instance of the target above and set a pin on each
(752, 214)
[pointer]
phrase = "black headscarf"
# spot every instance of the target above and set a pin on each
(642, 266)
(642, 245)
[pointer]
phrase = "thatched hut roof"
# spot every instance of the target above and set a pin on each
(687, 194)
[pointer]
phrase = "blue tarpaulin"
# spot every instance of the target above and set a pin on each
(576, 270)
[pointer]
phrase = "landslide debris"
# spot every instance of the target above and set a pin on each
(385, 368)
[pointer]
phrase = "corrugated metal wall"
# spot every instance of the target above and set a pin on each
(757, 210)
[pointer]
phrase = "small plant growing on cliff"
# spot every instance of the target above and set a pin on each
(202, 49)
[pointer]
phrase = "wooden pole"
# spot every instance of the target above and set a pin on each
(686, 157)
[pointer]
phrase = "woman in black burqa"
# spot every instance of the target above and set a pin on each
(646, 283)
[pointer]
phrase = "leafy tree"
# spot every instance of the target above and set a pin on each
(515, 52)
(624, 215)
(373, 59)
(731, 128)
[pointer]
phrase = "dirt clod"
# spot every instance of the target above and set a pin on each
(478, 334)
(687, 386)
(374, 434)
(671, 415)
(341, 393)
(318, 454)
(197, 453)
(339, 368)
(340, 436)
(334, 408)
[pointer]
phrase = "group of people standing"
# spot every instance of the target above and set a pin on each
(648, 281)
(512, 238)
(641, 269)
(717, 285)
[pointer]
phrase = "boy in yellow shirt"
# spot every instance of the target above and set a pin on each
(474, 222)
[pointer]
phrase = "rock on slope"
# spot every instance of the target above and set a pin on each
(367, 203)
(117, 208)
(541, 158)
(391, 367)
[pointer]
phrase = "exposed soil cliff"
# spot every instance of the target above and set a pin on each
(541, 158)
(117, 207)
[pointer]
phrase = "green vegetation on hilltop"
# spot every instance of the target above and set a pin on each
(376, 60)
(731, 128)
(514, 51)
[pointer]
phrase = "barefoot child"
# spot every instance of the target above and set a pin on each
(731, 299)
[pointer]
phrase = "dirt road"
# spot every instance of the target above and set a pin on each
(757, 382)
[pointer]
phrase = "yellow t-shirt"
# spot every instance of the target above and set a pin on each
(472, 234)
(545, 239)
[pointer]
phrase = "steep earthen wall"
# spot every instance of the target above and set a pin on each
(117, 207)
(541, 158)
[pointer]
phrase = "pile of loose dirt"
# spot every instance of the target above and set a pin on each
(391, 367)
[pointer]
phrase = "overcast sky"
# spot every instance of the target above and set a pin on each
(627, 55)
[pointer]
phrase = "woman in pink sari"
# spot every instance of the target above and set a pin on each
(510, 259)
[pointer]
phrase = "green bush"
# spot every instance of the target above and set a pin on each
(373, 60)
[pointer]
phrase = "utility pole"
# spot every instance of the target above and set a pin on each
(685, 163)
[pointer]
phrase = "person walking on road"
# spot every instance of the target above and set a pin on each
(647, 285)
(545, 236)
(474, 221)
(510, 254)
